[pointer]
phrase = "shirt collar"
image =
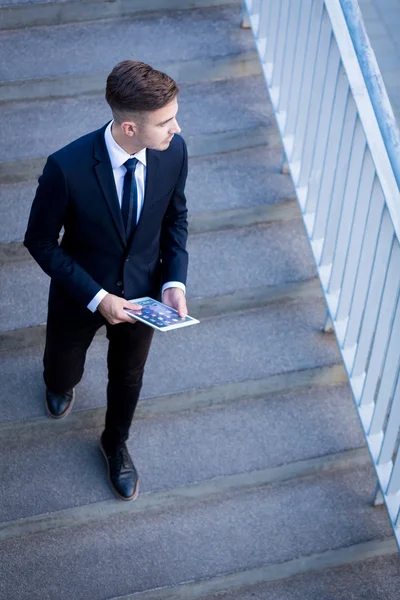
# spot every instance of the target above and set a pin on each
(117, 154)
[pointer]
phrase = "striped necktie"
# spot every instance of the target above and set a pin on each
(129, 198)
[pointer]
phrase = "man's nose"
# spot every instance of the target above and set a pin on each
(175, 127)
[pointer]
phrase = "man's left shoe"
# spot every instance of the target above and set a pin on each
(122, 475)
(59, 406)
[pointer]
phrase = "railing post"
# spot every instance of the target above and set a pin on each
(328, 326)
(284, 164)
(378, 497)
(245, 21)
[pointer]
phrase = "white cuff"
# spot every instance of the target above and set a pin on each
(174, 284)
(93, 304)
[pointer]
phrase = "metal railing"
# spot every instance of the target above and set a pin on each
(341, 144)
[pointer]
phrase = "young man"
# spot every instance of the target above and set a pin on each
(119, 194)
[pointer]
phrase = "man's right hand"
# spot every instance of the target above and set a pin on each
(112, 309)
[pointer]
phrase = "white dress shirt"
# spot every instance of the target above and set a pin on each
(118, 157)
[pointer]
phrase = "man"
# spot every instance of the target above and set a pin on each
(119, 194)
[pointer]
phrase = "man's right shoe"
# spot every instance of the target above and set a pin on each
(122, 474)
(59, 405)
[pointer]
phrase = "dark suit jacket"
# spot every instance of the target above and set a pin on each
(77, 191)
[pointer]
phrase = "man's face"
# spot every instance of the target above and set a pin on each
(158, 127)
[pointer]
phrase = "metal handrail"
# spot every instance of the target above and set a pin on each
(342, 144)
(374, 82)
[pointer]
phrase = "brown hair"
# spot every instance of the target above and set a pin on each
(134, 87)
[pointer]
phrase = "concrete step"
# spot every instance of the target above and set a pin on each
(283, 337)
(14, 171)
(228, 439)
(214, 184)
(272, 254)
(178, 540)
(14, 433)
(29, 13)
(189, 71)
(248, 109)
(248, 177)
(204, 308)
(365, 571)
(186, 36)
(220, 263)
(184, 495)
(208, 222)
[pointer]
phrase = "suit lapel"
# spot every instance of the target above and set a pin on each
(106, 180)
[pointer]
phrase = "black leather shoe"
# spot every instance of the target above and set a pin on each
(122, 474)
(59, 405)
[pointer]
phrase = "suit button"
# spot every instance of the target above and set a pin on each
(127, 260)
(119, 283)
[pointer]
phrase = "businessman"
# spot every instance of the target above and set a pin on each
(118, 192)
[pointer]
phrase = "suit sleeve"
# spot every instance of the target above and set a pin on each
(175, 230)
(48, 214)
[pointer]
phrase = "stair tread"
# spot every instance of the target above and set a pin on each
(281, 338)
(214, 183)
(21, 2)
(15, 204)
(248, 108)
(185, 35)
(272, 254)
(237, 179)
(220, 262)
(370, 579)
(223, 440)
(129, 553)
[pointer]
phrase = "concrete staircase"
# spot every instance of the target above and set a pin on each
(255, 478)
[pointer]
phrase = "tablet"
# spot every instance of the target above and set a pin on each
(158, 315)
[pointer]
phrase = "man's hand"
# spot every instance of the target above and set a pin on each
(112, 309)
(175, 298)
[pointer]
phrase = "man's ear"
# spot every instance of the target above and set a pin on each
(129, 128)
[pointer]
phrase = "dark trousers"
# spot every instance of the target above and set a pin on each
(67, 342)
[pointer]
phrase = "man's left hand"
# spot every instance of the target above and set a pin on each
(175, 298)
